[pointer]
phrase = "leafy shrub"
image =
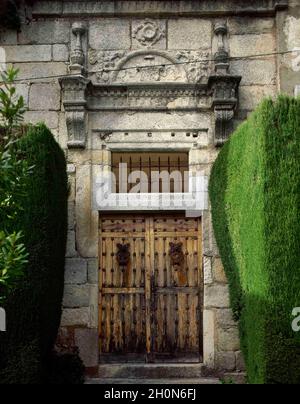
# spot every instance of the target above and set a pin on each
(14, 172)
(65, 368)
(34, 307)
(255, 196)
(23, 366)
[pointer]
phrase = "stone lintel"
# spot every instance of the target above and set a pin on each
(197, 8)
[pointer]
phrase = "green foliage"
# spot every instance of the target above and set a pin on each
(13, 257)
(35, 305)
(23, 366)
(65, 369)
(14, 172)
(255, 196)
(12, 106)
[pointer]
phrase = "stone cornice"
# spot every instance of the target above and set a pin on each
(110, 8)
(148, 89)
(149, 96)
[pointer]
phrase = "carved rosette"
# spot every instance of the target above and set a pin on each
(74, 100)
(148, 32)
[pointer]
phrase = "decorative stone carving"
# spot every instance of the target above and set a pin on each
(224, 88)
(148, 32)
(153, 96)
(176, 254)
(123, 254)
(225, 99)
(196, 64)
(105, 62)
(150, 66)
(221, 56)
(135, 67)
(74, 100)
(77, 54)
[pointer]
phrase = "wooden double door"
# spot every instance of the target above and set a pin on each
(150, 301)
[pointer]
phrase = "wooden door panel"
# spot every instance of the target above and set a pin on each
(123, 323)
(177, 287)
(122, 287)
(153, 304)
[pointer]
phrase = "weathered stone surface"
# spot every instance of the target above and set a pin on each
(226, 361)
(60, 53)
(209, 338)
(189, 34)
(93, 271)
(224, 319)
(110, 34)
(71, 215)
(42, 31)
(50, 118)
(75, 271)
(216, 296)
(156, 8)
(218, 271)
(28, 53)
(23, 90)
(261, 72)
(86, 339)
(44, 71)
(76, 317)
(8, 37)
(297, 90)
(71, 169)
(240, 362)
(248, 45)
(94, 305)
(71, 245)
(292, 32)
(249, 25)
(44, 97)
(228, 339)
(87, 221)
(251, 96)
(76, 296)
(154, 120)
(208, 277)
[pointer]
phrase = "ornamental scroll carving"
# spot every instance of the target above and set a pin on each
(149, 66)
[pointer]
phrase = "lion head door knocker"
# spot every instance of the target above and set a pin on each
(177, 261)
(123, 254)
(176, 255)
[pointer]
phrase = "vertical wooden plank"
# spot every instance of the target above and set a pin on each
(149, 236)
(100, 297)
(200, 286)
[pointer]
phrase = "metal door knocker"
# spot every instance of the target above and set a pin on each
(176, 254)
(123, 254)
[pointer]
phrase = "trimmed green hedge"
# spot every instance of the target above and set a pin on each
(34, 309)
(255, 197)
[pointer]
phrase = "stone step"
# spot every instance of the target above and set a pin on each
(150, 371)
(169, 382)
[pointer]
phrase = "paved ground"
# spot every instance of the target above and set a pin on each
(154, 381)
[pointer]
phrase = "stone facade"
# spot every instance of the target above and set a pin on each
(82, 70)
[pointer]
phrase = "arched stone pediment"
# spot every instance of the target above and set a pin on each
(147, 66)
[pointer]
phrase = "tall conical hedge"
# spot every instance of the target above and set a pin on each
(34, 309)
(255, 197)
